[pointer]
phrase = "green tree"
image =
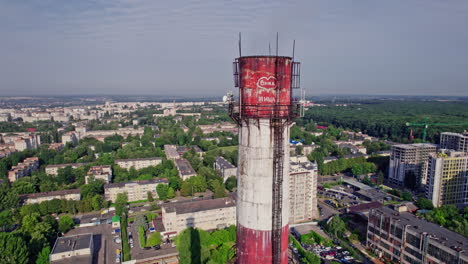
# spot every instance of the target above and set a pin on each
(162, 190)
(154, 239)
(43, 257)
(186, 189)
(406, 196)
(171, 193)
(97, 202)
(65, 223)
(149, 195)
(424, 203)
(13, 249)
(121, 204)
(231, 183)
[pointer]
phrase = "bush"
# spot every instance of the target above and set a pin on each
(154, 239)
(142, 236)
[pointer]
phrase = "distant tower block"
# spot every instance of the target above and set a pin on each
(264, 112)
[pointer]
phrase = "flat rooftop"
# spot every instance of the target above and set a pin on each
(442, 235)
(186, 207)
(47, 194)
(223, 163)
(71, 243)
(123, 184)
(139, 159)
(184, 167)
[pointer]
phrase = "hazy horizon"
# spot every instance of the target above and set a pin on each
(142, 47)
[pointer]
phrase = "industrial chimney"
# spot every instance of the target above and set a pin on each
(264, 112)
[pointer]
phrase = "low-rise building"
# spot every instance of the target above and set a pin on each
(204, 214)
(225, 168)
(56, 146)
(302, 190)
(223, 127)
(138, 163)
(103, 173)
(23, 169)
(184, 168)
(171, 152)
(53, 169)
(115, 221)
(34, 198)
(401, 237)
(73, 249)
(136, 190)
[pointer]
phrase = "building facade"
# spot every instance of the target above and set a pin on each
(103, 173)
(184, 168)
(23, 169)
(455, 141)
(53, 169)
(34, 198)
(138, 163)
(447, 178)
(302, 191)
(73, 249)
(401, 237)
(136, 190)
(406, 158)
(203, 214)
(225, 168)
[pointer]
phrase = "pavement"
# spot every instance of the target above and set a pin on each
(104, 245)
(326, 211)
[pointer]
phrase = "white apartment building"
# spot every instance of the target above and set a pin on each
(100, 173)
(136, 190)
(53, 169)
(71, 136)
(204, 214)
(23, 169)
(302, 190)
(33, 141)
(455, 141)
(171, 152)
(447, 178)
(409, 157)
(35, 198)
(185, 169)
(138, 163)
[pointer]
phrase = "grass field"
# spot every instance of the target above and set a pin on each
(229, 148)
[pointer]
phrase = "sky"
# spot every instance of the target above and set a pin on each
(186, 47)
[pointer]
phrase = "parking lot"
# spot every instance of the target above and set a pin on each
(104, 245)
(143, 253)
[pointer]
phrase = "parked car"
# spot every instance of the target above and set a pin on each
(157, 247)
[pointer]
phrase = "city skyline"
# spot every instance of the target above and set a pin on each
(150, 48)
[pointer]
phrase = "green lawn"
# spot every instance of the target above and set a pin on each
(229, 148)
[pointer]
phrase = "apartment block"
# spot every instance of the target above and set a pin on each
(138, 163)
(225, 168)
(53, 169)
(409, 157)
(184, 168)
(401, 237)
(23, 169)
(302, 190)
(204, 214)
(71, 137)
(30, 142)
(136, 190)
(455, 141)
(73, 249)
(447, 178)
(103, 173)
(34, 198)
(171, 152)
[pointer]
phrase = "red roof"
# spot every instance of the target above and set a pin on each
(322, 127)
(31, 129)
